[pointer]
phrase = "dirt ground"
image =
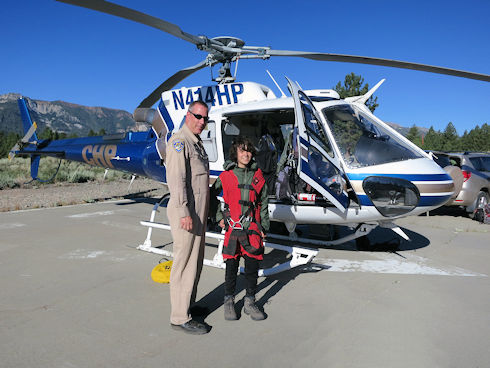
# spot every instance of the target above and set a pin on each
(53, 195)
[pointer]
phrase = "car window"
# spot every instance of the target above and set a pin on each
(481, 163)
(442, 160)
(455, 161)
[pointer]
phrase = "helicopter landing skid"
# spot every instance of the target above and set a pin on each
(361, 230)
(299, 255)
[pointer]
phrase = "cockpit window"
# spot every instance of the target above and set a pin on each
(314, 125)
(362, 141)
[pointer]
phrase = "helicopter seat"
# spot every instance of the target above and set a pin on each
(266, 157)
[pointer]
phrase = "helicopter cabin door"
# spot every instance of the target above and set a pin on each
(316, 159)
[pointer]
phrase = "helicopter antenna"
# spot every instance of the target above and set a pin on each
(365, 97)
(277, 85)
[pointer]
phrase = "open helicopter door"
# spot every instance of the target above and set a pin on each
(317, 164)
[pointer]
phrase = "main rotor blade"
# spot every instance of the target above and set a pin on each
(136, 16)
(376, 61)
(170, 83)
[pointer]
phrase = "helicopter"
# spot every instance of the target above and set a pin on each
(342, 165)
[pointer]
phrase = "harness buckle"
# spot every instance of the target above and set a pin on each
(235, 225)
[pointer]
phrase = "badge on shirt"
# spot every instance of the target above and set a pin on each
(178, 145)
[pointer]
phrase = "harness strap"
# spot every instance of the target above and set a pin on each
(238, 233)
(246, 186)
(241, 237)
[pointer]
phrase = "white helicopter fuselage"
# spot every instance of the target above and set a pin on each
(383, 175)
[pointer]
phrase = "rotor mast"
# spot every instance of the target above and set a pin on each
(226, 50)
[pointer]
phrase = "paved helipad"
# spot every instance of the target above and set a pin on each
(74, 292)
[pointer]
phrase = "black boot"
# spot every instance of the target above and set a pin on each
(250, 308)
(229, 305)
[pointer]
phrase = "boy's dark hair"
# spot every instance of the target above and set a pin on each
(244, 143)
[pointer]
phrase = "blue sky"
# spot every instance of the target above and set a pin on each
(55, 51)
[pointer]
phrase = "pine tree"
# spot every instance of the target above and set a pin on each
(432, 140)
(485, 134)
(413, 136)
(47, 133)
(464, 141)
(353, 86)
(473, 140)
(450, 138)
(7, 141)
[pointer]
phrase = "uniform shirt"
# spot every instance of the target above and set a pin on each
(187, 171)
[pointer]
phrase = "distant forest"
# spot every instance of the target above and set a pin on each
(476, 140)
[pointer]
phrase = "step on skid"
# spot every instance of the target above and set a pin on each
(300, 255)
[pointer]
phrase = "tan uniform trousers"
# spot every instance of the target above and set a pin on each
(188, 251)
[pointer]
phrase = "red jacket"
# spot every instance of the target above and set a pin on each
(248, 240)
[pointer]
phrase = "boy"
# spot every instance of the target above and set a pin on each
(246, 218)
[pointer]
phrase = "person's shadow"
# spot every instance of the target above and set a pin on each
(274, 283)
(379, 240)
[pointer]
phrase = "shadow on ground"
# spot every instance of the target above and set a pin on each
(271, 284)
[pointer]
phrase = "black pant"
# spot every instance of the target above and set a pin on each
(251, 275)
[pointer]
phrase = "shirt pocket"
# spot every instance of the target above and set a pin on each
(200, 173)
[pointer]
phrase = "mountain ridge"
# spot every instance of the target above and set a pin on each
(64, 117)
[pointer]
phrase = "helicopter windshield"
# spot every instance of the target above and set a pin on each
(362, 141)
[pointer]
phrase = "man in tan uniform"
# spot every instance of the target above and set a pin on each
(188, 182)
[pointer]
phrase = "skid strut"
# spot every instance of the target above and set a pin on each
(299, 255)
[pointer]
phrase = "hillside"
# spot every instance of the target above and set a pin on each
(63, 117)
(404, 130)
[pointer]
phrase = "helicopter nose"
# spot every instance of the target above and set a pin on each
(391, 196)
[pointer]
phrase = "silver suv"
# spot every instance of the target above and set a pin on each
(475, 192)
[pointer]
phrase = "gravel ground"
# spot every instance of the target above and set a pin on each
(52, 195)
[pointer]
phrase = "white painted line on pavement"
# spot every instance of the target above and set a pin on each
(12, 225)
(92, 254)
(121, 225)
(92, 214)
(95, 214)
(393, 266)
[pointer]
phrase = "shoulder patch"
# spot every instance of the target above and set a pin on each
(178, 145)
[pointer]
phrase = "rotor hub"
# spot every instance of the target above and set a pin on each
(229, 41)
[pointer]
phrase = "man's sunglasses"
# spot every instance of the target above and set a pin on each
(199, 117)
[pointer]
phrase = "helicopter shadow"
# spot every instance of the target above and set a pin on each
(378, 240)
(139, 197)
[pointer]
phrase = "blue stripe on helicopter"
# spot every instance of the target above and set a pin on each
(304, 141)
(409, 177)
(166, 117)
(425, 201)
